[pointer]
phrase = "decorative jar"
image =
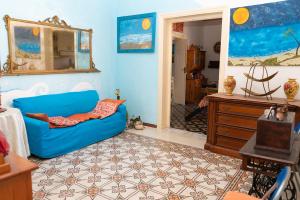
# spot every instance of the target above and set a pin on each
(291, 88)
(229, 85)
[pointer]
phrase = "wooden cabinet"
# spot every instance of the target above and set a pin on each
(194, 79)
(232, 120)
(195, 59)
(17, 184)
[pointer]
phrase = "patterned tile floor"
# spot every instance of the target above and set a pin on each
(197, 124)
(131, 166)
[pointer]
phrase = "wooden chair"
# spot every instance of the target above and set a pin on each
(274, 193)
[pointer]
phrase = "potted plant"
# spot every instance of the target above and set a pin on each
(136, 123)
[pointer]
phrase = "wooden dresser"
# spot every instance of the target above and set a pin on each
(17, 184)
(232, 120)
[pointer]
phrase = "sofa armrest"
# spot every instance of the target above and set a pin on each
(122, 110)
(35, 125)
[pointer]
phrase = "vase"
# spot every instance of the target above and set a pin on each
(291, 88)
(229, 85)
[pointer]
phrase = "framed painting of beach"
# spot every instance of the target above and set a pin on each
(265, 35)
(136, 33)
(27, 42)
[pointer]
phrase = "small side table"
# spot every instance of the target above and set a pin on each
(17, 184)
(13, 126)
(266, 164)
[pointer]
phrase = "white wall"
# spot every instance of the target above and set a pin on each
(279, 80)
(194, 33)
(211, 35)
(206, 34)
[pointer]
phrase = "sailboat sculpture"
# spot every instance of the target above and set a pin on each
(265, 80)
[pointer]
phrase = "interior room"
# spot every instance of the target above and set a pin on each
(195, 72)
(145, 100)
(63, 50)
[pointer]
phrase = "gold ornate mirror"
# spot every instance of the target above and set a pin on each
(46, 47)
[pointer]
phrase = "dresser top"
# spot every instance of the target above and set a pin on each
(239, 97)
(18, 166)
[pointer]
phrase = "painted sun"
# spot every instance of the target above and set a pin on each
(36, 31)
(146, 24)
(241, 16)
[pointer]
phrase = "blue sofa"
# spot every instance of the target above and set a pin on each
(48, 143)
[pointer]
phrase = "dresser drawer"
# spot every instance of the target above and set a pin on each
(238, 121)
(230, 143)
(239, 109)
(233, 132)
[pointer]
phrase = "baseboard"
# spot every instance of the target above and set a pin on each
(150, 125)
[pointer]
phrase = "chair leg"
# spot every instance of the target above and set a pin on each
(291, 189)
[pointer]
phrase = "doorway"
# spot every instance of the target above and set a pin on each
(195, 72)
(165, 54)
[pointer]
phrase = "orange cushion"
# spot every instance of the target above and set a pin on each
(44, 117)
(40, 116)
(83, 117)
(238, 196)
(106, 107)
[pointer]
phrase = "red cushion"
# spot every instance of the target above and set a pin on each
(106, 107)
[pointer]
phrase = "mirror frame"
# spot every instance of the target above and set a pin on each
(7, 68)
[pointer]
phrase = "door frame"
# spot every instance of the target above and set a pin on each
(165, 22)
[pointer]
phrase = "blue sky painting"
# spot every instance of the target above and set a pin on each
(268, 34)
(136, 33)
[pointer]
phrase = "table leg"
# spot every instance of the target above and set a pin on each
(261, 184)
(245, 163)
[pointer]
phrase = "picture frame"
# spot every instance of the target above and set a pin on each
(136, 33)
(258, 35)
(83, 42)
(47, 46)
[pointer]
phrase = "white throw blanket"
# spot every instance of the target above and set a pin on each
(13, 126)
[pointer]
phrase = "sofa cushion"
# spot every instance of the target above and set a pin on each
(65, 104)
(107, 107)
